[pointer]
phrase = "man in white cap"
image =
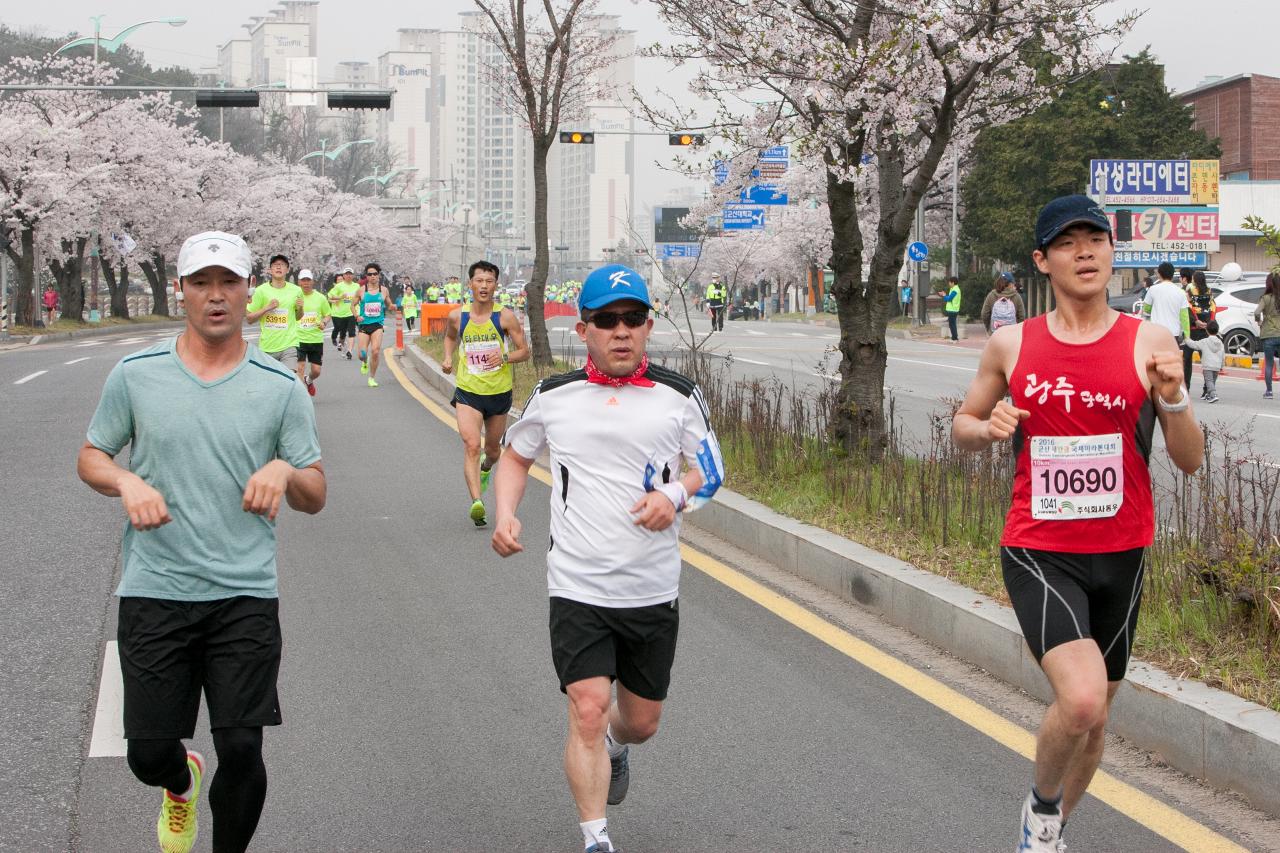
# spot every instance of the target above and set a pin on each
(619, 432)
(315, 308)
(218, 436)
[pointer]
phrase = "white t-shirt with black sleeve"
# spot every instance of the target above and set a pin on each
(608, 446)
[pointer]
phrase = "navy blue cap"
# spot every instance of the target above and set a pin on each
(612, 284)
(1007, 276)
(1063, 212)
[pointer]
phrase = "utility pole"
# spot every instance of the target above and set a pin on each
(921, 276)
(955, 208)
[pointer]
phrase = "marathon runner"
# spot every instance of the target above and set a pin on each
(198, 594)
(315, 307)
(618, 432)
(371, 302)
(409, 306)
(1082, 517)
(344, 321)
(477, 348)
(275, 306)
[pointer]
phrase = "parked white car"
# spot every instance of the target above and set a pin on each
(1236, 302)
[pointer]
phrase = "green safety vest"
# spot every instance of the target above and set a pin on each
(953, 307)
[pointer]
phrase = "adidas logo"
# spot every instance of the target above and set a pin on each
(612, 401)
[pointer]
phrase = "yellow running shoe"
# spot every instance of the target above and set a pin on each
(364, 367)
(484, 472)
(176, 827)
(373, 383)
(477, 514)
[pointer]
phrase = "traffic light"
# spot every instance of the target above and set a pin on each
(227, 98)
(577, 137)
(347, 100)
(686, 139)
(1124, 226)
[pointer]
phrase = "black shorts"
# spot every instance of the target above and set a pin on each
(1061, 597)
(636, 645)
(313, 353)
(370, 328)
(488, 405)
(171, 650)
(344, 325)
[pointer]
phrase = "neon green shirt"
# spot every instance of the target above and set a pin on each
(477, 341)
(280, 324)
(409, 304)
(315, 307)
(340, 297)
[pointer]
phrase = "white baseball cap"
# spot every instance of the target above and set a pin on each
(306, 274)
(215, 249)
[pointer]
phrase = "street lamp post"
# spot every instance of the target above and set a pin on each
(111, 46)
(325, 154)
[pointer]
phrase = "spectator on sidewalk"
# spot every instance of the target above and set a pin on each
(1003, 305)
(951, 305)
(50, 300)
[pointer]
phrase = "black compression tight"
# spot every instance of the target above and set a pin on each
(237, 792)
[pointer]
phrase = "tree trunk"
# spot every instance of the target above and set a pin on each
(20, 291)
(68, 271)
(118, 287)
(536, 289)
(154, 269)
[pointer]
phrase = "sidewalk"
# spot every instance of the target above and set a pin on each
(1206, 733)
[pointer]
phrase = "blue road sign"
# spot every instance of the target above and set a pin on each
(721, 172)
(681, 250)
(1147, 260)
(917, 251)
(763, 194)
(776, 154)
(740, 217)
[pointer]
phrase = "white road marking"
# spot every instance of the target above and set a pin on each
(934, 364)
(1261, 415)
(91, 344)
(108, 720)
(798, 335)
(751, 361)
(129, 341)
(754, 332)
(37, 339)
(78, 360)
(31, 376)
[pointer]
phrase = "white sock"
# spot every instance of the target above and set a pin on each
(614, 748)
(594, 831)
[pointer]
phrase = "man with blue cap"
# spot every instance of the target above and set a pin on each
(619, 431)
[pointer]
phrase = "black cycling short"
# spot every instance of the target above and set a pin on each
(636, 645)
(370, 328)
(1061, 597)
(171, 650)
(313, 353)
(488, 405)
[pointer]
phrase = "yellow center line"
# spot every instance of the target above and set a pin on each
(1144, 809)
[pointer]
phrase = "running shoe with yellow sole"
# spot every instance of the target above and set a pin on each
(364, 367)
(176, 828)
(484, 473)
(373, 383)
(477, 514)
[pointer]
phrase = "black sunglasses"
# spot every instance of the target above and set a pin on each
(610, 319)
(370, 272)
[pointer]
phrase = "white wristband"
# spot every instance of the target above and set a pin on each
(1173, 408)
(675, 492)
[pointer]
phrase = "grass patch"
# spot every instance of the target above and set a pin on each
(1211, 600)
(524, 375)
(61, 325)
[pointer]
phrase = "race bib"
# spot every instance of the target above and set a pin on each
(1075, 477)
(276, 321)
(476, 351)
(308, 320)
(373, 309)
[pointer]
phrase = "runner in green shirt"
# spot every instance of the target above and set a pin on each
(344, 322)
(315, 307)
(409, 306)
(275, 307)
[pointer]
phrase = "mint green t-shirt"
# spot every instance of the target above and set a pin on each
(311, 324)
(279, 325)
(198, 443)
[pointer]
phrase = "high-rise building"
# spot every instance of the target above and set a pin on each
(407, 125)
(289, 32)
(235, 62)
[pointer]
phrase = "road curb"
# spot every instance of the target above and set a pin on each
(1207, 733)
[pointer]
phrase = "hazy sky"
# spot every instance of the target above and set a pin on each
(1191, 37)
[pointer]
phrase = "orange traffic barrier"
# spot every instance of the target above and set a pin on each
(434, 315)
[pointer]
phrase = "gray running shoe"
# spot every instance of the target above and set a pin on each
(619, 776)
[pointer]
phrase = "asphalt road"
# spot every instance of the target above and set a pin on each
(421, 708)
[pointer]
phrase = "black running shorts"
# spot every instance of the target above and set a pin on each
(1061, 597)
(636, 645)
(488, 405)
(171, 650)
(344, 325)
(313, 353)
(370, 328)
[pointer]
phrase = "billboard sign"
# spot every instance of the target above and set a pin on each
(681, 250)
(741, 217)
(1155, 182)
(763, 194)
(667, 227)
(1170, 229)
(1149, 260)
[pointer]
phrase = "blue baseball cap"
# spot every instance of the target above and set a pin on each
(1007, 276)
(1063, 212)
(612, 284)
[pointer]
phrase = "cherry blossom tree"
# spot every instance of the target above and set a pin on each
(876, 91)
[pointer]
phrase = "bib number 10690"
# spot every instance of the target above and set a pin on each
(1076, 477)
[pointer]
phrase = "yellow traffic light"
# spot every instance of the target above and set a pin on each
(577, 137)
(686, 139)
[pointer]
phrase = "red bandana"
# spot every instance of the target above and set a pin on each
(636, 378)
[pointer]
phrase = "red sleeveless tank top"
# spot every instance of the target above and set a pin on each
(1081, 484)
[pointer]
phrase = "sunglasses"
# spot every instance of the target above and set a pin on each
(370, 273)
(610, 319)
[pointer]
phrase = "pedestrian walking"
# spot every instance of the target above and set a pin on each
(951, 305)
(904, 297)
(1166, 304)
(619, 431)
(717, 297)
(1267, 316)
(198, 597)
(1086, 385)
(1202, 310)
(1003, 305)
(50, 301)
(1212, 357)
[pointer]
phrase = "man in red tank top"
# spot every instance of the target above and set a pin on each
(1085, 386)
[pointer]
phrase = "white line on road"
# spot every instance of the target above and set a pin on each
(78, 360)
(754, 332)
(129, 341)
(934, 364)
(31, 376)
(37, 339)
(799, 335)
(1261, 415)
(108, 720)
(91, 344)
(752, 361)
